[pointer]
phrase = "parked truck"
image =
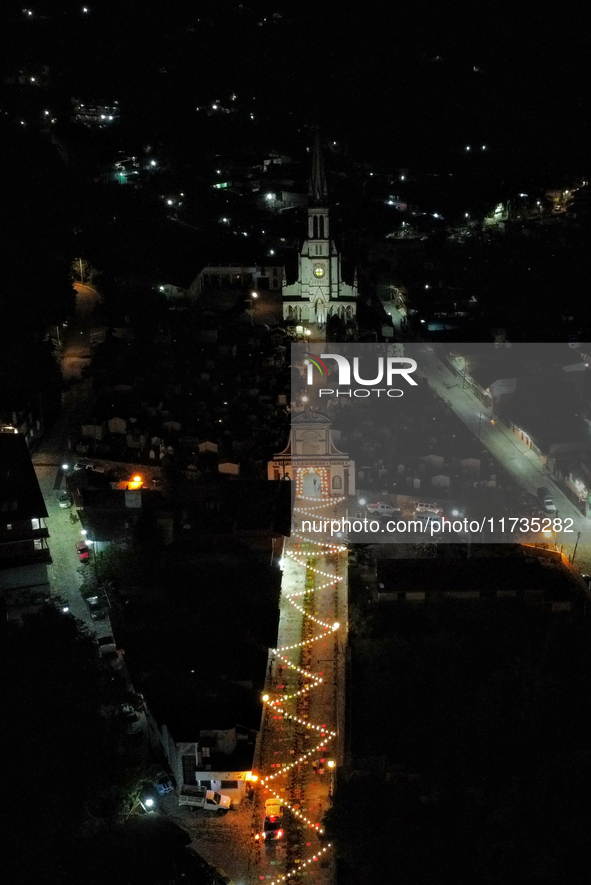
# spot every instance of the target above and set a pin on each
(198, 797)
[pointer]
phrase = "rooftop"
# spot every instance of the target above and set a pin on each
(20, 495)
(485, 574)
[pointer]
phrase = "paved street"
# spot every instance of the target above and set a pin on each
(520, 462)
(76, 336)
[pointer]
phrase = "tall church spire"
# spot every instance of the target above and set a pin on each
(317, 187)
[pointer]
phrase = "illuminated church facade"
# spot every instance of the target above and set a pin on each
(312, 461)
(319, 291)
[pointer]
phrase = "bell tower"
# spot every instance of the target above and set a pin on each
(319, 292)
(318, 226)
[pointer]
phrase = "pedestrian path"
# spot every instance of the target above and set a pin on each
(301, 741)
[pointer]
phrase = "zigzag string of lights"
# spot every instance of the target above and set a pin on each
(303, 560)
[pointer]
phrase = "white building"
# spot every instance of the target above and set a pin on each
(319, 291)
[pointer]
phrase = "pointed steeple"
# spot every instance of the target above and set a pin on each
(317, 187)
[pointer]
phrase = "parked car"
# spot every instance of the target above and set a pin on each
(272, 823)
(428, 507)
(164, 782)
(97, 608)
(430, 522)
(547, 500)
(130, 718)
(380, 509)
(110, 656)
(64, 500)
(84, 464)
(83, 551)
(198, 797)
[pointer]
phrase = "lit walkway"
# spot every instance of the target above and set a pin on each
(303, 728)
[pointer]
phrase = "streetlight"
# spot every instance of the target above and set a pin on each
(65, 467)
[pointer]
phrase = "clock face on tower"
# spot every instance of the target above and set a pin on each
(318, 271)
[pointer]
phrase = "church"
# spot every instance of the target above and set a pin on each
(312, 461)
(319, 291)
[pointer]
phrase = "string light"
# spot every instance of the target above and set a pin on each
(305, 558)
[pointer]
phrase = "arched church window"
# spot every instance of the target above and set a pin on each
(315, 227)
(337, 483)
(322, 227)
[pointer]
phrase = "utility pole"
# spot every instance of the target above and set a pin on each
(575, 550)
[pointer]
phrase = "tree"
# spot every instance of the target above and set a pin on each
(82, 270)
(62, 747)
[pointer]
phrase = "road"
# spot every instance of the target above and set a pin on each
(76, 336)
(65, 572)
(520, 462)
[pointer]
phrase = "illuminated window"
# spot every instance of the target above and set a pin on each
(38, 545)
(337, 482)
(35, 524)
